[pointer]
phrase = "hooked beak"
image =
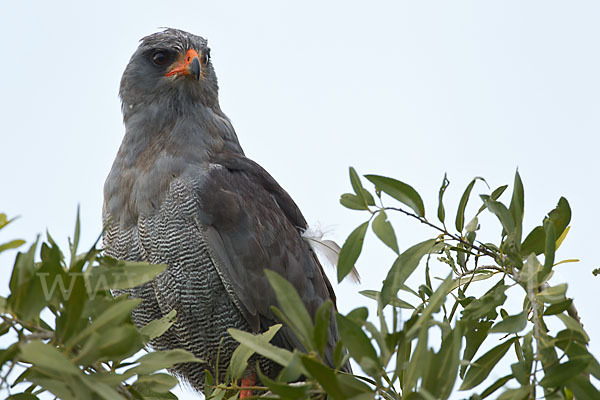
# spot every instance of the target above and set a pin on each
(189, 65)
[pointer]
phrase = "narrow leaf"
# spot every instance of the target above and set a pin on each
(516, 207)
(402, 268)
(48, 357)
(352, 202)
(158, 360)
(400, 191)
(322, 323)
(356, 341)
(13, 244)
(395, 301)
(441, 211)
(156, 328)
(494, 196)
(261, 346)
(351, 250)
(384, 231)
(481, 368)
(462, 205)
(511, 324)
(505, 217)
(558, 375)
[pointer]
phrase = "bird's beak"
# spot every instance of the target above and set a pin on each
(189, 65)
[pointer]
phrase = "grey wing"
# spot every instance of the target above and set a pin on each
(252, 224)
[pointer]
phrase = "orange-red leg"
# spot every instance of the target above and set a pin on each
(247, 382)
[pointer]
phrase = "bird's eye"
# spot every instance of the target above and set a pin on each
(160, 57)
(206, 56)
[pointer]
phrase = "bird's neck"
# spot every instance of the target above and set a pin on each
(195, 130)
(161, 144)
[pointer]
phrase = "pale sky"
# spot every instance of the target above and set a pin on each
(405, 89)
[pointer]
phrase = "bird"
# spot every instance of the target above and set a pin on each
(182, 192)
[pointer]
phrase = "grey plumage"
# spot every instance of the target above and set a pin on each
(181, 192)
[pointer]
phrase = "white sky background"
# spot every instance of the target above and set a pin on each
(404, 89)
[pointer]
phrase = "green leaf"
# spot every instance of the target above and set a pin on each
(54, 383)
(324, 375)
(292, 307)
(530, 272)
(503, 215)
(558, 375)
(517, 205)
(495, 386)
(48, 358)
(441, 375)
(364, 197)
(582, 388)
(441, 210)
(512, 324)
(481, 368)
(352, 202)
(521, 371)
(534, 242)
(22, 396)
(553, 294)
(549, 250)
(480, 276)
(351, 250)
(559, 307)
(562, 237)
(418, 364)
(402, 268)
(13, 244)
(486, 305)
(322, 323)
(160, 383)
(158, 360)
(284, 390)
(560, 217)
(37, 296)
(494, 196)
(116, 313)
(399, 191)
(120, 342)
(395, 301)
(462, 205)
(521, 393)
(573, 324)
(241, 355)
(156, 328)
(22, 273)
(475, 334)
(435, 302)
(261, 346)
(384, 231)
(3, 220)
(356, 341)
(116, 274)
(353, 388)
(76, 236)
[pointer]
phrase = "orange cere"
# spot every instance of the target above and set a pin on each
(182, 66)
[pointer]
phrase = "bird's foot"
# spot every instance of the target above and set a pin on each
(247, 382)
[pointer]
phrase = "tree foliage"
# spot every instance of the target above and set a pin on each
(70, 337)
(457, 335)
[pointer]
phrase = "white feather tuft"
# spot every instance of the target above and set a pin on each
(326, 249)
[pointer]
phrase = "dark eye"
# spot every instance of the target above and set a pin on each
(160, 57)
(206, 56)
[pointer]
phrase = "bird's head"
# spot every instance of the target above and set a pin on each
(171, 66)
